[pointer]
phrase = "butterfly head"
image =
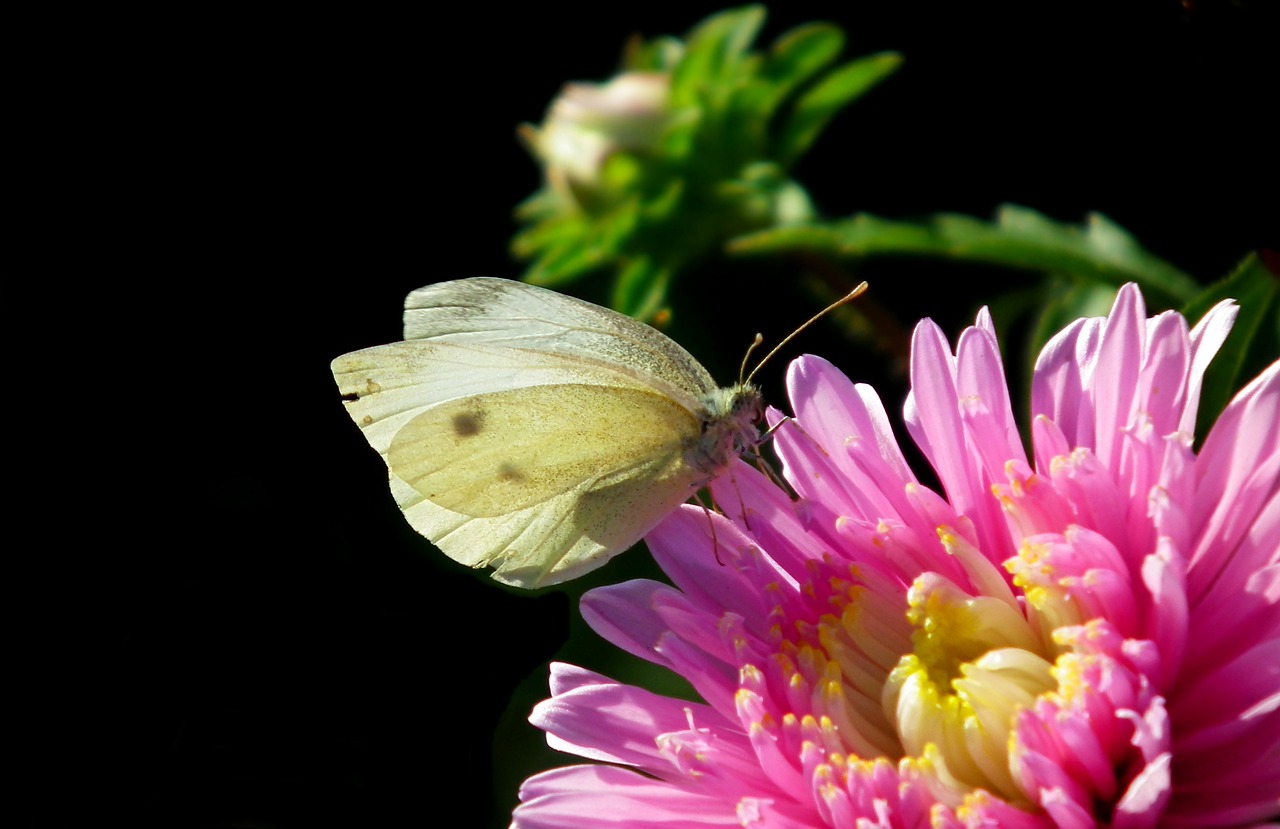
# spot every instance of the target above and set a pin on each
(728, 428)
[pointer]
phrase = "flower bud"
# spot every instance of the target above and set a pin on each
(588, 125)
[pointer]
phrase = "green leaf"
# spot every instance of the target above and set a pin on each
(664, 204)
(543, 202)
(568, 238)
(563, 264)
(558, 230)
(796, 57)
(641, 289)
(818, 105)
(713, 52)
(1099, 250)
(1254, 341)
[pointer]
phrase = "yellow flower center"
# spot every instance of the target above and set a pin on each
(975, 663)
(937, 689)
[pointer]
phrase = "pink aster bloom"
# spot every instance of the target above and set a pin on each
(1089, 636)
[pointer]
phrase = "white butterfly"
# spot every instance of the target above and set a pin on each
(536, 433)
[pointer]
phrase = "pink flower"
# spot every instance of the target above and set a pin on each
(1089, 636)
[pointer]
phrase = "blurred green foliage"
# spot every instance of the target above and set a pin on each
(1076, 270)
(642, 183)
(686, 156)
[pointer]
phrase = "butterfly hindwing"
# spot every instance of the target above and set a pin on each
(488, 454)
(569, 518)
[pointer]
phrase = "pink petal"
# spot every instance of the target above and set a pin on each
(595, 795)
(715, 681)
(833, 408)
(709, 558)
(1143, 803)
(615, 723)
(1163, 576)
(984, 399)
(1066, 811)
(1223, 695)
(628, 616)
(1161, 391)
(1059, 385)
(565, 678)
(623, 614)
(1207, 337)
(1049, 441)
(766, 515)
(932, 419)
(1236, 499)
(1115, 379)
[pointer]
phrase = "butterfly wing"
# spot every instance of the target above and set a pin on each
(500, 452)
(546, 494)
(386, 386)
(502, 312)
(526, 430)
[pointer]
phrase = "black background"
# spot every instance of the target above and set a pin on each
(226, 623)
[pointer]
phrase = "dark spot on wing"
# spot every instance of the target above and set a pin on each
(468, 424)
(510, 474)
(350, 397)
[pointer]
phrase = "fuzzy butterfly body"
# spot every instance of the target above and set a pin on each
(539, 434)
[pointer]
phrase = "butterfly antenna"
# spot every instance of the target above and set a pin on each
(754, 345)
(841, 301)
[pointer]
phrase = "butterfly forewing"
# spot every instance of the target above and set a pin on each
(518, 315)
(387, 386)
